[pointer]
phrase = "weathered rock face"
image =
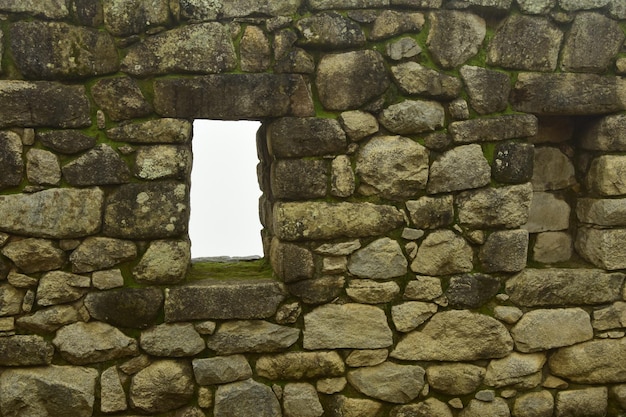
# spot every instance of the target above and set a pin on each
(546, 329)
(164, 385)
(455, 37)
(455, 378)
(389, 381)
(251, 336)
(245, 397)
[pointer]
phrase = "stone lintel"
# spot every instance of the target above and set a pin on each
(233, 96)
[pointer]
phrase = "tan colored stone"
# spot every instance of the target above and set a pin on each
(300, 365)
(455, 378)
(442, 253)
(592, 362)
(546, 329)
(520, 371)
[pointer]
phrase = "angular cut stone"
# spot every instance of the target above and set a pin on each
(553, 170)
(346, 326)
(568, 94)
(12, 168)
(301, 400)
(300, 365)
(602, 247)
(96, 253)
(219, 299)
(291, 262)
(318, 290)
(147, 211)
(389, 381)
(526, 43)
(606, 175)
(233, 96)
(547, 212)
(592, 43)
(291, 137)
(403, 48)
(369, 357)
(163, 161)
(346, 4)
(84, 343)
(221, 369)
(603, 212)
(112, 394)
(443, 252)
(381, 259)
(254, 50)
(534, 404)
(107, 92)
(354, 407)
(342, 179)
(455, 378)
(124, 18)
(70, 51)
(350, 80)
(574, 5)
(50, 319)
(393, 167)
(23, 350)
(513, 162)
(11, 300)
(605, 134)
(100, 166)
(546, 329)
(456, 335)
(175, 340)
(431, 212)
(242, 8)
(60, 390)
(358, 124)
(505, 251)
(368, 291)
(42, 167)
(495, 207)
(431, 407)
(521, 371)
(330, 30)
(488, 90)
(164, 262)
(251, 336)
(202, 48)
(460, 168)
(555, 286)
(411, 314)
(246, 398)
(413, 116)
(66, 141)
(321, 220)
(391, 23)
(414, 79)
(593, 362)
(162, 386)
(35, 255)
(42, 103)
(551, 247)
(454, 37)
(153, 131)
(127, 307)
(496, 408)
(489, 129)
(471, 290)
(299, 179)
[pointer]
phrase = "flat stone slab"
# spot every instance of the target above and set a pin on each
(223, 300)
(233, 96)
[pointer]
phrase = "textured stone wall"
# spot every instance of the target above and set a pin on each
(444, 208)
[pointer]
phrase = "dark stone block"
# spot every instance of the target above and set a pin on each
(136, 308)
(291, 262)
(66, 141)
(25, 351)
(299, 179)
(107, 94)
(102, 165)
(318, 290)
(297, 137)
(513, 163)
(11, 164)
(471, 290)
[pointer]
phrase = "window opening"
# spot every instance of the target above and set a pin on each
(225, 192)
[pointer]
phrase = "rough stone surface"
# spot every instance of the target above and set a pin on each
(460, 168)
(24, 350)
(505, 251)
(66, 141)
(301, 400)
(99, 166)
(300, 365)
(391, 23)
(251, 336)
(127, 18)
(354, 407)
(162, 386)
(358, 124)
(443, 252)
(165, 130)
(96, 253)
(553, 170)
(11, 299)
(403, 48)
(35, 255)
(431, 212)
(42, 167)
(513, 163)
(56, 213)
(175, 340)
(381, 259)
(58, 287)
(254, 50)
(354, 326)
(112, 395)
(602, 247)
(548, 212)
(411, 314)
(467, 336)
(106, 93)
(246, 398)
(588, 402)
(603, 134)
(318, 290)
(413, 116)
(606, 174)
(471, 290)
(392, 167)
(516, 370)
(495, 207)
(221, 369)
(430, 407)
(342, 179)
(59, 390)
(291, 262)
(593, 362)
(414, 79)
(534, 404)
(83, 343)
(49, 319)
(296, 221)
(552, 247)
(488, 90)
(315, 137)
(346, 81)
(367, 357)
(330, 30)
(455, 378)
(389, 381)
(488, 129)
(163, 161)
(496, 408)
(299, 179)
(603, 212)
(454, 37)
(164, 262)
(245, 300)
(127, 307)
(546, 329)
(368, 291)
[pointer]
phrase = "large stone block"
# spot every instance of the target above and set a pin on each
(346, 326)
(66, 141)
(456, 335)
(147, 210)
(101, 165)
(455, 36)
(489, 129)
(516, 370)
(602, 247)
(300, 365)
(124, 18)
(587, 402)
(172, 340)
(350, 80)
(389, 381)
(471, 290)
(51, 50)
(59, 390)
(526, 43)
(219, 299)
(128, 307)
(51, 9)
(605, 134)
(602, 212)
(35, 255)
(455, 378)
(242, 8)
(568, 94)
(540, 330)
(107, 92)
(233, 96)
(607, 175)
(42, 103)
(24, 350)
(299, 179)
(163, 130)
(495, 207)
(460, 168)
(381, 259)
(162, 386)
(593, 362)
(548, 212)
(330, 30)
(164, 262)
(443, 252)
(488, 89)
(414, 79)
(246, 398)
(12, 165)
(320, 220)
(413, 116)
(96, 253)
(553, 287)
(291, 137)
(252, 336)
(553, 170)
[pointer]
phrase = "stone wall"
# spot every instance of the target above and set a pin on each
(444, 208)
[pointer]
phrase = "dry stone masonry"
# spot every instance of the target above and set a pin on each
(444, 208)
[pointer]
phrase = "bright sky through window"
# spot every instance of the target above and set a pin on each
(224, 190)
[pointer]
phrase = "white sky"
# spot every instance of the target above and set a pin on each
(224, 190)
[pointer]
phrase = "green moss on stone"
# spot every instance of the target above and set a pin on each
(254, 269)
